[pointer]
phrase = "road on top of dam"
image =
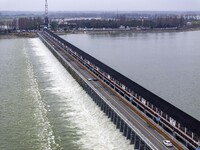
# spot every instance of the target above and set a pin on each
(144, 128)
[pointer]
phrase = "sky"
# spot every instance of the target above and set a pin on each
(101, 5)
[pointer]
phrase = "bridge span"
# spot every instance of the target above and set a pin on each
(143, 117)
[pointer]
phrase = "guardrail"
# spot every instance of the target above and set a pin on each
(75, 73)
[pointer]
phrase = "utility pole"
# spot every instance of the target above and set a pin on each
(46, 19)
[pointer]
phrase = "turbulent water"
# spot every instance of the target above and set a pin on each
(168, 63)
(43, 107)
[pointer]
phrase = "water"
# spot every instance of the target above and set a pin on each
(44, 108)
(166, 63)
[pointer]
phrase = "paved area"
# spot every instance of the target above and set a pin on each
(135, 120)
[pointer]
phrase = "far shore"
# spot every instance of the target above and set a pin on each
(90, 31)
(111, 31)
(18, 35)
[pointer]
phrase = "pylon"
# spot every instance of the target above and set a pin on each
(46, 14)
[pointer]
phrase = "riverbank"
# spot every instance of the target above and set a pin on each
(113, 31)
(95, 31)
(18, 35)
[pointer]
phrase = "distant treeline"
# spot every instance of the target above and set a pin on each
(31, 23)
(35, 23)
(28, 23)
(155, 23)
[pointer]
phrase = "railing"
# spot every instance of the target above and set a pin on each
(147, 141)
(123, 91)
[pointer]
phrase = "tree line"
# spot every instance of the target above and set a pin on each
(116, 23)
(28, 23)
(34, 23)
(31, 23)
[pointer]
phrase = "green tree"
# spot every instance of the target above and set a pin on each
(54, 25)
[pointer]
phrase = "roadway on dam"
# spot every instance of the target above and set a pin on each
(144, 128)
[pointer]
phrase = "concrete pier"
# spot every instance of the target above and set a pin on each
(124, 126)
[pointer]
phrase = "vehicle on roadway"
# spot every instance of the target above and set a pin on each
(167, 143)
(90, 79)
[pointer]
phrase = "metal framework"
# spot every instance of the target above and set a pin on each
(46, 8)
(46, 14)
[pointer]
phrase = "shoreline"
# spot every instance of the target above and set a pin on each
(98, 31)
(18, 35)
(115, 31)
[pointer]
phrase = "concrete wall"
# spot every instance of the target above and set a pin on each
(123, 127)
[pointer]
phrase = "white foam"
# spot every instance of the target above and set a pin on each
(95, 129)
(44, 129)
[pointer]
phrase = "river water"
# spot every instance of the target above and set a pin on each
(43, 108)
(167, 63)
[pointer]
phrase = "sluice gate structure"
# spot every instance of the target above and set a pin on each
(169, 121)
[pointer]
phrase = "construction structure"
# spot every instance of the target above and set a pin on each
(46, 19)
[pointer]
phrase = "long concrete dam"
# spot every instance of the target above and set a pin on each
(124, 100)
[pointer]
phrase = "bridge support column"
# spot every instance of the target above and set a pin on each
(132, 137)
(109, 112)
(118, 122)
(102, 104)
(125, 129)
(104, 107)
(128, 133)
(115, 118)
(112, 115)
(121, 125)
(142, 145)
(137, 142)
(99, 102)
(95, 98)
(106, 111)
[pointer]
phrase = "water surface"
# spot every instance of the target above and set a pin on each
(168, 63)
(44, 108)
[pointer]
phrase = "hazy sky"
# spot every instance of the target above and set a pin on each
(105, 5)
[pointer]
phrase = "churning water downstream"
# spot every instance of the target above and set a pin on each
(43, 107)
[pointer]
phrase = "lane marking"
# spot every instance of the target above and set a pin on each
(86, 71)
(132, 117)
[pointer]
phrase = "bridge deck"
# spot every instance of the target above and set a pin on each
(189, 122)
(130, 115)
